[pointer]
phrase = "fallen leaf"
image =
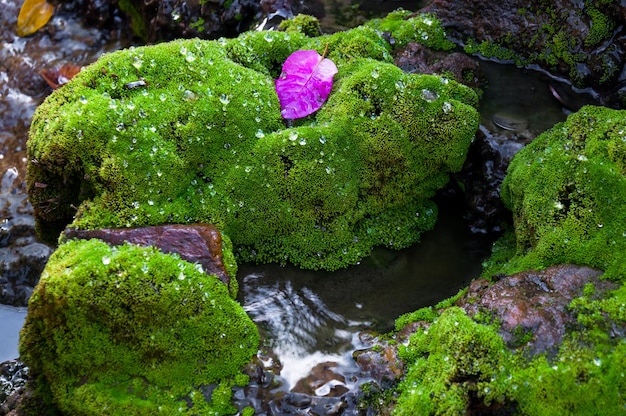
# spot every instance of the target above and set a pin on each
(57, 77)
(304, 84)
(34, 15)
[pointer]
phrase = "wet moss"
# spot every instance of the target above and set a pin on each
(456, 365)
(129, 330)
(191, 131)
(567, 192)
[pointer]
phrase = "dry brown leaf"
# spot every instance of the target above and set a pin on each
(57, 77)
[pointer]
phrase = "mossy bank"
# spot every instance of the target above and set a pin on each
(191, 131)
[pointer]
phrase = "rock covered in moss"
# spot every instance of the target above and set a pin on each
(456, 365)
(196, 243)
(130, 330)
(191, 131)
(567, 192)
(578, 40)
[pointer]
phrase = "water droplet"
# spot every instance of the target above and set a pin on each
(259, 134)
(130, 106)
(323, 141)
(429, 95)
(293, 135)
(257, 119)
(120, 127)
(190, 57)
(375, 73)
(181, 276)
(162, 97)
(106, 260)
(268, 37)
(447, 107)
(224, 99)
(189, 96)
(302, 141)
(137, 62)
(82, 99)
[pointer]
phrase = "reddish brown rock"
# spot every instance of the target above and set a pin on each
(532, 306)
(195, 243)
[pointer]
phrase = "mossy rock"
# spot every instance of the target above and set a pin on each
(191, 131)
(131, 331)
(567, 192)
(456, 365)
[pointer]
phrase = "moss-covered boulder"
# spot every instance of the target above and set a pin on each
(567, 192)
(191, 131)
(132, 331)
(456, 365)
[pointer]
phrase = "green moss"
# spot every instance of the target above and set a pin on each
(447, 362)
(201, 139)
(130, 330)
(457, 364)
(567, 192)
(601, 27)
(404, 27)
(302, 23)
(137, 22)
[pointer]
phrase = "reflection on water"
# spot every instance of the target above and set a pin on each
(311, 317)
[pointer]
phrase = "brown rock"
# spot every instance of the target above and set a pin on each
(195, 243)
(532, 306)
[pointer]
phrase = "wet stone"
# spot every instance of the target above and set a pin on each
(533, 304)
(196, 243)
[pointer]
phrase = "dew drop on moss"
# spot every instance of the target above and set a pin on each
(106, 260)
(429, 95)
(137, 62)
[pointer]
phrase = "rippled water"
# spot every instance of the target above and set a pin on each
(311, 317)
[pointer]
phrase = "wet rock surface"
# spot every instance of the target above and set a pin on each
(22, 256)
(533, 306)
(587, 44)
(195, 243)
(13, 377)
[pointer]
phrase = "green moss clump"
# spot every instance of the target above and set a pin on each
(404, 27)
(302, 23)
(457, 364)
(129, 330)
(191, 131)
(567, 192)
(447, 362)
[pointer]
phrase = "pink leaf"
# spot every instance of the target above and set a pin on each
(304, 84)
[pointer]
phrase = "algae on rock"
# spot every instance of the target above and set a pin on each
(190, 131)
(132, 331)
